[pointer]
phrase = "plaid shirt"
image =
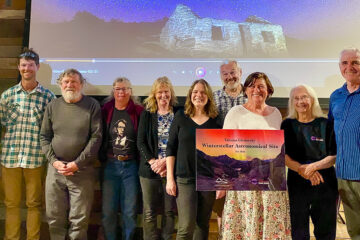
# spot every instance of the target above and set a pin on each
(224, 102)
(21, 115)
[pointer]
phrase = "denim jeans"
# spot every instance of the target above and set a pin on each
(154, 194)
(194, 210)
(120, 186)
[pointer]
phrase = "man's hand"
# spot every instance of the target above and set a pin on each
(59, 165)
(66, 169)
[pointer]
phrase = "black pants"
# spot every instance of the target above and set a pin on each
(194, 211)
(317, 202)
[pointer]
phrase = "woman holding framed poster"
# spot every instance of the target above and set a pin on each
(255, 214)
(310, 155)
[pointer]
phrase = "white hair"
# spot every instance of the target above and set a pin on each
(316, 110)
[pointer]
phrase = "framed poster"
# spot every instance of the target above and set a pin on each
(240, 160)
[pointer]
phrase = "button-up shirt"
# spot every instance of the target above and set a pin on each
(344, 110)
(224, 102)
(21, 114)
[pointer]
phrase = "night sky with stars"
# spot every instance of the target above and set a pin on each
(299, 18)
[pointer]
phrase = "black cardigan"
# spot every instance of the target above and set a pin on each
(147, 142)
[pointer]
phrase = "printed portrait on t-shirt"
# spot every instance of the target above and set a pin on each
(120, 141)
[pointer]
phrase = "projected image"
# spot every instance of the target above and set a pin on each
(178, 29)
(292, 41)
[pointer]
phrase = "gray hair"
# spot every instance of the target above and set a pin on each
(350, 49)
(121, 80)
(228, 61)
(69, 72)
(316, 110)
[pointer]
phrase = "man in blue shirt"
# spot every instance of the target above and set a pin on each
(344, 110)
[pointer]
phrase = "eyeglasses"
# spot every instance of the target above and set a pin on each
(124, 89)
(301, 98)
(28, 54)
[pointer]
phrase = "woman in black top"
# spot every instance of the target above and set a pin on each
(153, 134)
(194, 207)
(310, 155)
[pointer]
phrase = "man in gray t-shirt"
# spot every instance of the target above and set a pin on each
(70, 138)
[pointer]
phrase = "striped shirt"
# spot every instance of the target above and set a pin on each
(225, 102)
(344, 110)
(21, 114)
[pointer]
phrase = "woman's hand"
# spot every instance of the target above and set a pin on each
(220, 194)
(171, 188)
(316, 179)
(310, 169)
(301, 171)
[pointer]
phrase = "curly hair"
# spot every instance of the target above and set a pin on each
(150, 102)
(210, 108)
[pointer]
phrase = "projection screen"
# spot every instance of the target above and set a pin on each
(291, 41)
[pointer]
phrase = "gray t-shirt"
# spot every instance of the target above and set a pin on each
(72, 131)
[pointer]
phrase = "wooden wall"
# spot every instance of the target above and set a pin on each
(12, 21)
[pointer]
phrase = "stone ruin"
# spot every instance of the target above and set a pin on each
(186, 33)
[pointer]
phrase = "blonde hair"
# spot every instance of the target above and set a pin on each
(316, 110)
(210, 108)
(150, 102)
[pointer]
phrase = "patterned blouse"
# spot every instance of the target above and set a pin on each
(164, 123)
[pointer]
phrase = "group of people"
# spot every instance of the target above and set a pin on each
(151, 150)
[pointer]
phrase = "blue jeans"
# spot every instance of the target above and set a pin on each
(120, 186)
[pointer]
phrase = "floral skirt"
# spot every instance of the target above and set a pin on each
(256, 215)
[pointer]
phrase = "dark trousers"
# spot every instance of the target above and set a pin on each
(319, 203)
(154, 195)
(194, 211)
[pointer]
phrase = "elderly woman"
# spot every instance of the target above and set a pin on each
(119, 156)
(255, 214)
(152, 140)
(194, 207)
(310, 155)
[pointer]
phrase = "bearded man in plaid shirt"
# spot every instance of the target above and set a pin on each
(21, 111)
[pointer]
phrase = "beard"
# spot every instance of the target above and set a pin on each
(70, 96)
(232, 85)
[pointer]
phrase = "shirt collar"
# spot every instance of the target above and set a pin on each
(345, 91)
(224, 93)
(39, 88)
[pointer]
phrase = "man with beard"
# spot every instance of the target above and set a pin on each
(21, 111)
(229, 96)
(70, 138)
